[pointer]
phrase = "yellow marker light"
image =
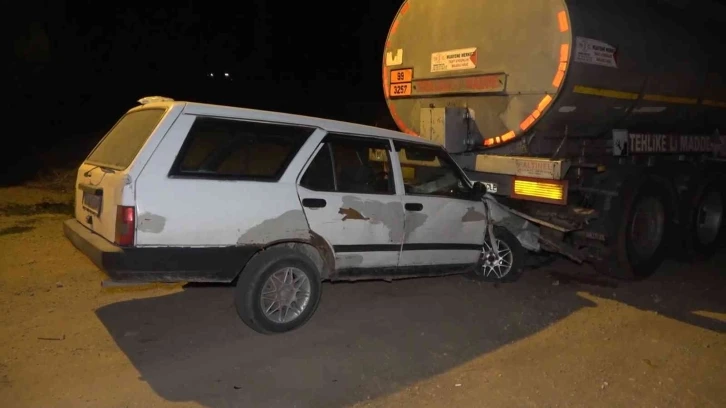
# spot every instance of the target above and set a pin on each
(562, 20)
(527, 122)
(546, 191)
(508, 136)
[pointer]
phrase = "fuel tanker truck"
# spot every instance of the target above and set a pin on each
(596, 120)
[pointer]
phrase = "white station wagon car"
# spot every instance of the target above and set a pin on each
(190, 192)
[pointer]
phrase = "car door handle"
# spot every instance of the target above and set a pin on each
(413, 206)
(313, 202)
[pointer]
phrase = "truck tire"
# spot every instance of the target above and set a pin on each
(507, 265)
(705, 221)
(641, 227)
(278, 291)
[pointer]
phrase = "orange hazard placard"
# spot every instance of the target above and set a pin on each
(401, 75)
(398, 90)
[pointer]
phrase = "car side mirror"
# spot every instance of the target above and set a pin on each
(478, 190)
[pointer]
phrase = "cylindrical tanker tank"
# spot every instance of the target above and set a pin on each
(545, 66)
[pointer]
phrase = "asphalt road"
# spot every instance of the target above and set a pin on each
(560, 337)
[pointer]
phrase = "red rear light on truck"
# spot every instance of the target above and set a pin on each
(125, 225)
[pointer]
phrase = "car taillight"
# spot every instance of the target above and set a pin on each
(125, 225)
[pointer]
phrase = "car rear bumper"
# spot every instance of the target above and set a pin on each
(159, 264)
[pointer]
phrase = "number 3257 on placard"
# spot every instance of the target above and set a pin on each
(400, 90)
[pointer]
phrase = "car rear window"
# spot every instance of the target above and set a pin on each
(236, 149)
(122, 143)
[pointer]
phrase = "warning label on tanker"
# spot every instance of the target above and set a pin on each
(625, 144)
(595, 52)
(453, 60)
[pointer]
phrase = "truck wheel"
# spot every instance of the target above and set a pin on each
(707, 220)
(643, 227)
(278, 291)
(505, 265)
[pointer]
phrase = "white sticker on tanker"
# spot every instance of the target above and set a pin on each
(589, 51)
(453, 60)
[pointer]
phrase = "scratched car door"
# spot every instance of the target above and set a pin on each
(444, 223)
(349, 197)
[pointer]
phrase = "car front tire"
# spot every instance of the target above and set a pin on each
(507, 265)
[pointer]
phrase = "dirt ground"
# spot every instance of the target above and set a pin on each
(549, 340)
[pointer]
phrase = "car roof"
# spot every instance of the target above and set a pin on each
(349, 128)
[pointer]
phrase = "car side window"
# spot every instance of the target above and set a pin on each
(430, 171)
(353, 165)
(234, 149)
(319, 174)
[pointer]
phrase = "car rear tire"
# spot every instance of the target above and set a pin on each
(507, 265)
(278, 291)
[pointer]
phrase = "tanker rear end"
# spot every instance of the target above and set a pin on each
(599, 119)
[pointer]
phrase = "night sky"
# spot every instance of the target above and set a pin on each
(78, 65)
